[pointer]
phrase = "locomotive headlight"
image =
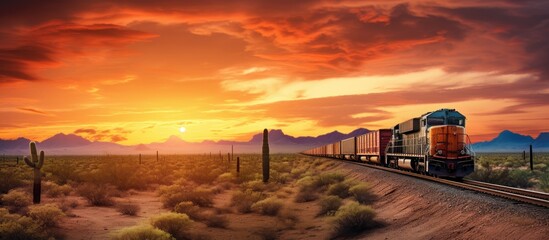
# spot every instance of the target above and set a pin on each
(462, 152)
(439, 152)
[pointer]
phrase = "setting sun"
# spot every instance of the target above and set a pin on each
(182, 129)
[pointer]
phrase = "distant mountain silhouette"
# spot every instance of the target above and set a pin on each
(508, 141)
(542, 141)
(74, 144)
(61, 140)
(70, 144)
(20, 143)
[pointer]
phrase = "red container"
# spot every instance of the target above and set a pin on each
(373, 143)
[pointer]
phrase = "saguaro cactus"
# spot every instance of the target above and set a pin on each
(265, 155)
(238, 166)
(36, 164)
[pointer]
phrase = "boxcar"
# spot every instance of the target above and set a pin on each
(371, 146)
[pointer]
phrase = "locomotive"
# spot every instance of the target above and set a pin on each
(434, 144)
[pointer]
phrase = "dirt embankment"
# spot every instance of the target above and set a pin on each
(417, 209)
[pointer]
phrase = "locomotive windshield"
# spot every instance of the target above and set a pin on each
(456, 121)
(433, 121)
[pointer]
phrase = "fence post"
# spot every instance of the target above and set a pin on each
(531, 159)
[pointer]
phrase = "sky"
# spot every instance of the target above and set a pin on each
(137, 71)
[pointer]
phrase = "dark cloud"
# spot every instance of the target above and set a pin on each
(117, 138)
(85, 130)
(112, 135)
(520, 26)
(49, 43)
(18, 63)
(308, 39)
(32, 110)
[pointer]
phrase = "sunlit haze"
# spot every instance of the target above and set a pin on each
(140, 71)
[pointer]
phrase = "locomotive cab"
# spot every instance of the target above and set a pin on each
(435, 144)
(449, 152)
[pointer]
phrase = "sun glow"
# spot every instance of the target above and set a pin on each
(182, 129)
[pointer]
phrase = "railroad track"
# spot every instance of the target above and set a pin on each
(517, 194)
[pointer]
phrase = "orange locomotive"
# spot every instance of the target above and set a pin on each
(434, 143)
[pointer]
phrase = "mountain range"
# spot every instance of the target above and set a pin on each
(71, 144)
(508, 141)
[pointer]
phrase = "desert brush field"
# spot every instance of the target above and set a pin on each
(183, 197)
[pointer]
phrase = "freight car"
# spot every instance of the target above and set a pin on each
(434, 143)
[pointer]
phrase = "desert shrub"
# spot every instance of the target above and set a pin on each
(128, 208)
(62, 173)
(15, 226)
(353, 219)
(306, 190)
(97, 195)
(65, 204)
(16, 200)
(326, 179)
(243, 200)
(10, 179)
(53, 190)
(544, 182)
(176, 224)
(142, 232)
(340, 189)
(519, 178)
(361, 192)
(174, 194)
(225, 177)
(269, 206)
(202, 174)
(254, 185)
(215, 220)
(329, 205)
(540, 166)
(297, 172)
(514, 178)
(47, 215)
(188, 208)
(280, 177)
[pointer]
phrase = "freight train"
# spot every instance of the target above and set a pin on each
(434, 144)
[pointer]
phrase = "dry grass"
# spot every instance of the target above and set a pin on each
(175, 224)
(361, 192)
(329, 205)
(16, 200)
(128, 208)
(97, 195)
(243, 200)
(15, 226)
(142, 232)
(269, 206)
(353, 219)
(188, 208)
(47, 215)
(53, 190)
(174, 194)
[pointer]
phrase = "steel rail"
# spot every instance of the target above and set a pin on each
(516, 194)
(525, 192)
